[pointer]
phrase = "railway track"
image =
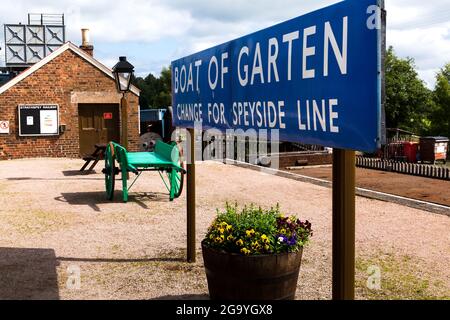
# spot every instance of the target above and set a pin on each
(363, 192)
(416, 169)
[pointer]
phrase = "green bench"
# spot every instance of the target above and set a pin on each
(166, 160)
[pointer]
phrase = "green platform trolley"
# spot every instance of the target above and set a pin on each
(166, 159)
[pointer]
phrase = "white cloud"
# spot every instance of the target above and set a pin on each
(238, 11)
(220, 21)
(421, 30)
(407, 14)
(139, 20)
(136, 20)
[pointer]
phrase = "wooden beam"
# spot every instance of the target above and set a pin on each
(343, 224)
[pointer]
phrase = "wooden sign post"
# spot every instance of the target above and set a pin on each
(343, 224)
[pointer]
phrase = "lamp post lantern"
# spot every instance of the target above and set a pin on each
(123, 73)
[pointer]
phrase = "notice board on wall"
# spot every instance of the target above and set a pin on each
(38, 119)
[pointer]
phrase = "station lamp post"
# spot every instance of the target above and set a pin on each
(123, 73)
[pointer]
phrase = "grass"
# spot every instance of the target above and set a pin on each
(38, 221)
(125, 278)
(401, 279)
(115, 249)
(3, 186)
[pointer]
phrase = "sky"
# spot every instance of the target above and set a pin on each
(152, 33)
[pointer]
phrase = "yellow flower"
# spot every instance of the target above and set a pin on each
(266, 247)
(221, 230)
(264, 238)
(283, 230)
(218, 239)
(255, 245)
(223, 224)
(229, 227)
(245, 251)
(222, 237)
(250, 232)
(230, 238)
(240, 242)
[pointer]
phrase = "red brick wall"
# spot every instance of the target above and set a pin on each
(54, 83)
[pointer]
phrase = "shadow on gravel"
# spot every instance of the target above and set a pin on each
(51, 179)
(93, 199)
(183, 297)
(118, 260)
(28, 274)
(71, 173)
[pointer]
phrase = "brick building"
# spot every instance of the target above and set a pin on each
(62, 106)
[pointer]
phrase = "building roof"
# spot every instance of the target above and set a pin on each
(438, 139)
(53, 55)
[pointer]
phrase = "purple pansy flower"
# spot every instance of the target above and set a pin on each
(292, 241)
(282, 238)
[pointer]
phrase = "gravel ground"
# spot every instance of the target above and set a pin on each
(55, 223)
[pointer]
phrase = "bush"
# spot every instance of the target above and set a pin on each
(254, 231)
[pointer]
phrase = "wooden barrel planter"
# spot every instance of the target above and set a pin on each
(263, 277)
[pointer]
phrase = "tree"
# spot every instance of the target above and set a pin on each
(408, 101)
(155, 92)
(441, 97)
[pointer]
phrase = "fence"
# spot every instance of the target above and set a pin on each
(429, 171)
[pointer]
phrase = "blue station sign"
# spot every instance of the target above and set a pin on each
(315, 78)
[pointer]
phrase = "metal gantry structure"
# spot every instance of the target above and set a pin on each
(26, 44)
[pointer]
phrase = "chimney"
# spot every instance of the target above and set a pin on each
(85, 43)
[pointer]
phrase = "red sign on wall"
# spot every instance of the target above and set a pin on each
(107, 115)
